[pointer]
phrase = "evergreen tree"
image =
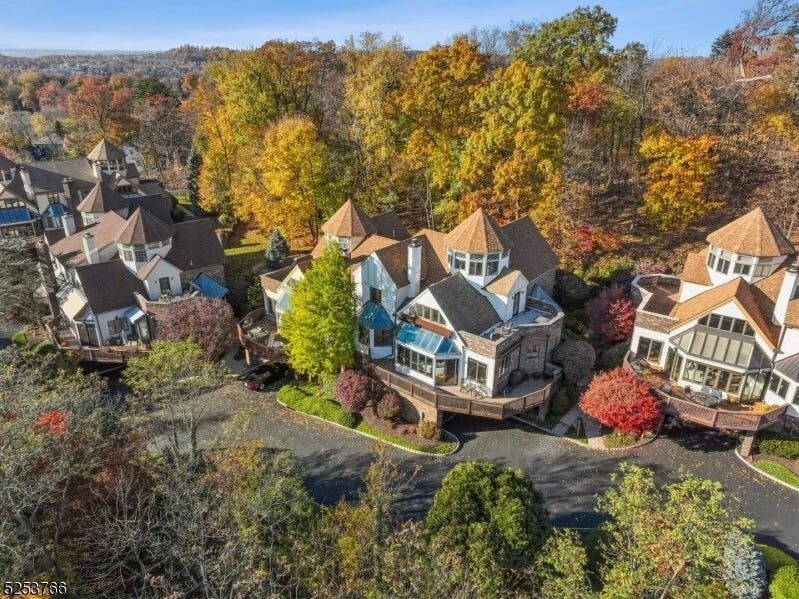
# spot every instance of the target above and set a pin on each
(277, 250)
(193, 164)
(320, 325)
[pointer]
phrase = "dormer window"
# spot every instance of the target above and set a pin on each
(476, 264)
(492, 264)
(6, 175)
(140, 253)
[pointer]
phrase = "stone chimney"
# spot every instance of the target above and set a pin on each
(68, 223)
(90, 250)
(787, 291)
(414, 267)
(26, 182)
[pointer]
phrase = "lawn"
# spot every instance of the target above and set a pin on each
(244, 252)
(307, 399)
(778, 471)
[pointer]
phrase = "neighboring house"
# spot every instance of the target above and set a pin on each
(728, 328)
(463, 309)
(116, 255)
(34, 197)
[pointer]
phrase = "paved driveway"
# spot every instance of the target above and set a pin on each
(335, 459)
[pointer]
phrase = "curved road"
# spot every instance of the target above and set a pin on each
(569, 476)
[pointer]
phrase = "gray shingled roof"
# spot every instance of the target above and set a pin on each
(108, 285)
(144, 227)
(389, 225)
(463, 305)
(6, 163)
(531, 253)
(195, 245)
(105, 150)
(102, 199)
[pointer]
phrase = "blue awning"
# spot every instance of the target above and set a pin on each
(54, 211)
(374, 316)
(425, 340)
(209, 287)
(133, 314)
(16, 216)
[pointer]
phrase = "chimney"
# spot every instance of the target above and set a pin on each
(787, 291)
(26, 182)
(68, 223)
(89, 249)
(73, 199)
(98, 170)
(414, 267)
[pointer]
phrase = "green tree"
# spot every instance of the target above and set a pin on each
(20, 281)
(277, 250)
(561, 567)
(193, 165)
(320, 325)
(665, 540)
(491, 517)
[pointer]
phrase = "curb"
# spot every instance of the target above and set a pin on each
(764, 474)
(586, 445)
(354, 430)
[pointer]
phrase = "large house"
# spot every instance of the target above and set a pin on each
(728, 328)
(113, 243)
(470, 309)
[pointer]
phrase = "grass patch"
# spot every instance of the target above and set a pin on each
(778, 471)
(775, 558)
(310, 399)
(616, 440)
(243, 254)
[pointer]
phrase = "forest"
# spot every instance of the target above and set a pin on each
(617, 153)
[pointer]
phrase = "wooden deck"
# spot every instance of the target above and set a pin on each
(497, 408)
(728, 416)
(64, 339)
(258, 345)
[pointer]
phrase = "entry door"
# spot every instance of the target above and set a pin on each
(166, 289)
(87, 333)
(446, 372)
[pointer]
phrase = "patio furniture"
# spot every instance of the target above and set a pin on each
(666, 388)
(708, 397)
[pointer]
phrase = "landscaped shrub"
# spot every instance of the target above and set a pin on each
(570, 290)
(308, 399)
(785, 583)
(208, 322)
(20, 339)
(613, 356)
(620, 400)
(577, 359)
(389, 407)
(611, 313)
(775, 558)
(352, 391)
(45, 347)
(563, 400)
(782, 447)
(427, 429)
(608, 268)
(647, 266)
(744, 568)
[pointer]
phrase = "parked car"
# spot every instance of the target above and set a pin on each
(272, 372)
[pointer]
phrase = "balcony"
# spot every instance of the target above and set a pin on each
(257, 333)
(64, 338)
(727, 415)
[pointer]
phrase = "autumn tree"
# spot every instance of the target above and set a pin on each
(619, 399)
(292, 187)
(207, 322)
(676, 177)
(518, 143)
(612, 313)
(320, 325)
(99, 110)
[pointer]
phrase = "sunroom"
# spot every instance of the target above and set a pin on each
(427, 355)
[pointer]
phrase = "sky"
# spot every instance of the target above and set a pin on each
(683, 26)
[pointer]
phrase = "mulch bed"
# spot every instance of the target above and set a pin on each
(399, 430)
(792, 465)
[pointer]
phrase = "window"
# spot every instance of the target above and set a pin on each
(127, 254)
(140, 253)
(384, 338)
(344, 244)
(517, 302)
(762, 270)
(741, 269)
(53, 198)
(476, 371)
(718, 378)
(492, 264)
(796, 396)
(723, 266)
(115, 326)
(414, 360)
(459, 261)
(727, 323)
(363, 335)
(476, 264)
(778, 385)
(508, 362)
(166, 288)
(534, 350)
(649, 350)
(6, 175)
(375, 295)
(711, 259)
(427, 313)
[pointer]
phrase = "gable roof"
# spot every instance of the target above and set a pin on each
(349, 221)
(6, 163)
(105, 150)
(479, 233)
(388, 224)
(753, 234)
(195, 245)
(504, 282)
(156, 204)
(69, 250)
(271, 281)
(737, 291)
(532, 254)
(144, 227)
(695, 268)
(108, 285)
(463, 305)
(102, 199)
(145, 270)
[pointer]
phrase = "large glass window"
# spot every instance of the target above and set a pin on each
(414, 360)
(476, 371)
(476, 264)
(459, 261)
(719, 378)
(427, 313)
(727, 323)
(649, 349)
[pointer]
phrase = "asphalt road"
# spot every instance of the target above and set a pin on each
(334, 461)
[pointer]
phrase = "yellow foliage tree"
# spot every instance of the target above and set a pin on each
(677, 176)
(518, 144)
(288, 185)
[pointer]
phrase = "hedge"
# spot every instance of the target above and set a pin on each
(20, 339)
(785, 583)
(775, 558)
(782, 447)
(306, 399)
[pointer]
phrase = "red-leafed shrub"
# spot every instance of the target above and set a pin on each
(612, 313)
(619, 399)
(388, 408)
(352, 391)
(52, 422)
(647, 266)
(208, 322)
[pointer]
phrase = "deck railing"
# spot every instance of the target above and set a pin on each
(497, 408)
(255, 346)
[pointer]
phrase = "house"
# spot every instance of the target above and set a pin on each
(34, 197)
(467, 310)
(117, 254)
(727, 329)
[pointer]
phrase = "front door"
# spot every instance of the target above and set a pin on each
(87, 333)
(446, 372)
(163, 282)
